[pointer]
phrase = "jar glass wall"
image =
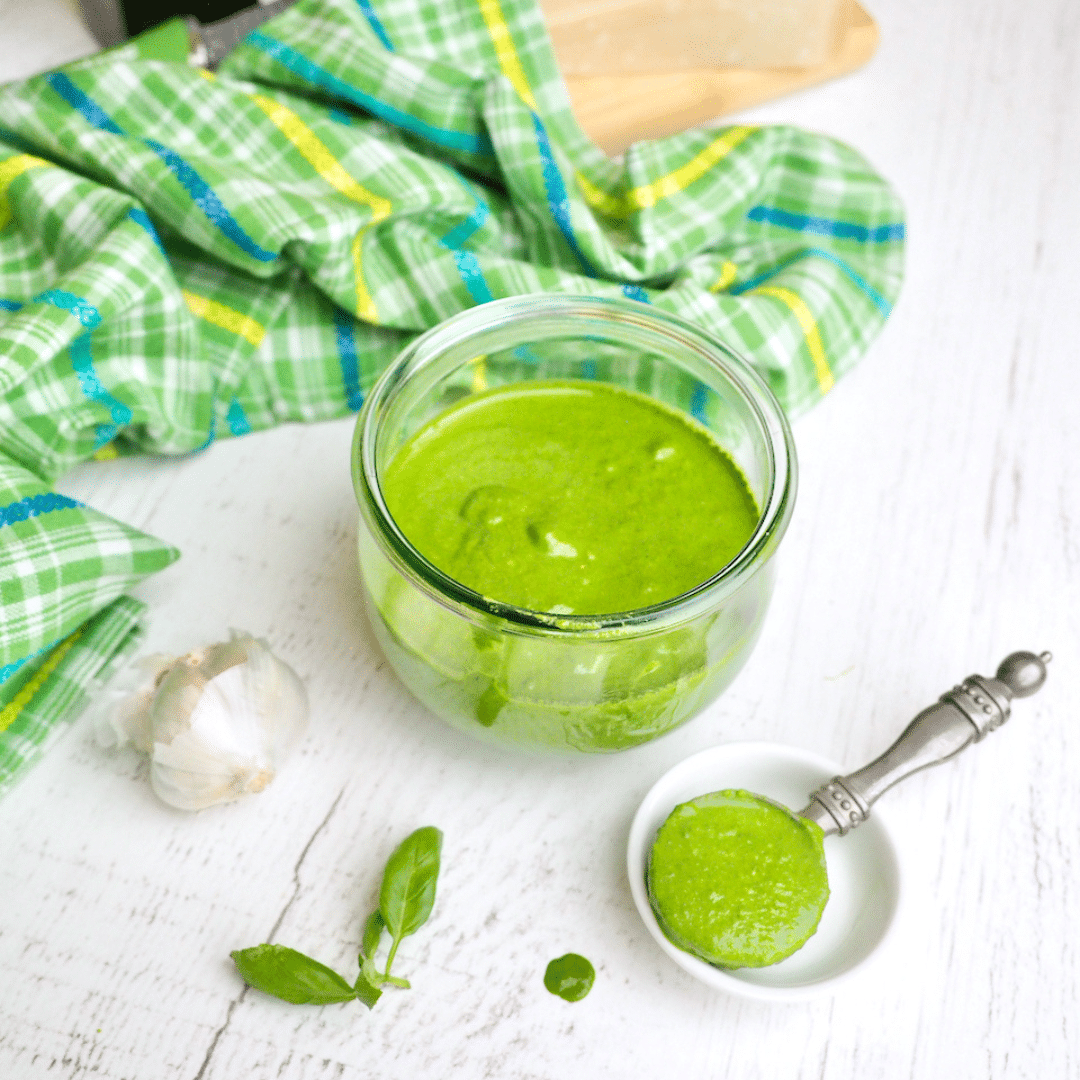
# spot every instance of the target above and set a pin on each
(574, 682)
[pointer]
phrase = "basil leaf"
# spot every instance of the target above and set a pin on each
(291, 976)
(408, 886)
(366, 991)
(373, 929)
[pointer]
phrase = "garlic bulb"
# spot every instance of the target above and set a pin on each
(216, 723)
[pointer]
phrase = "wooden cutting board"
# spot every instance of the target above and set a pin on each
(617, 110)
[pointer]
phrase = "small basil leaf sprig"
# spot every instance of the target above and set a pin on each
(405, 902)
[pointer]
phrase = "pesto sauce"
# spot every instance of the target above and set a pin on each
(569, 977)
(737, 880)
(570, 497)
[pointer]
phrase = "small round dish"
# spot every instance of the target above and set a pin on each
(864, 874)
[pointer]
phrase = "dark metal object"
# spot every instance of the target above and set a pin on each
(211, 42)
(964, 715)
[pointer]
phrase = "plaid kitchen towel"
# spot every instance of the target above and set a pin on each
(187, 256)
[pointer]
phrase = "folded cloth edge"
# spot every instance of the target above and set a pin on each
(38, 706)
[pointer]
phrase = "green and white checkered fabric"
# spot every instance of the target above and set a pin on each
(51, 689)
(185, 257)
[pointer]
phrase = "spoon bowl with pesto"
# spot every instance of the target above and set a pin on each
(569, 512)
(864, 882)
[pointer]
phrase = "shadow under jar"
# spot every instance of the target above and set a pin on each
(593, 683)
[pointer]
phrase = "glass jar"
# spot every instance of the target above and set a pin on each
(574, 682)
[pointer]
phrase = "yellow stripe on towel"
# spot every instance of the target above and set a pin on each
(9, 170)
(728, 273)
(479, 378)
(225, 317)
(318, 156)
(694, 169)
(505, 51)
(802, 312)
(614, 206)
(12, 710)
(622, 206)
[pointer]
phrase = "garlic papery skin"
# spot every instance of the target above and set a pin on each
(121, 711)
(217, 723)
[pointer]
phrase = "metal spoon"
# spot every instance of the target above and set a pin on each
(964, 715)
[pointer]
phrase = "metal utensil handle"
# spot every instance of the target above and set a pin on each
(210, 43)
(966, 714)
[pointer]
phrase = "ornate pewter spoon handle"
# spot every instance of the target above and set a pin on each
(964, 715)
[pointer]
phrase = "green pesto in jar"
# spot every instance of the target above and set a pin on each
(565, 498)
(737, 880)
(570, 497)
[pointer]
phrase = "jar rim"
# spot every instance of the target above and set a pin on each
(431, 345)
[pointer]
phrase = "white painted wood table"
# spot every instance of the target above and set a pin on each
(937, 529)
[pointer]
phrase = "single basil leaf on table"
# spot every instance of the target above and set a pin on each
(291, 976)
(408, 886)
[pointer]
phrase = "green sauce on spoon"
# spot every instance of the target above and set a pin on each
(737, 880)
